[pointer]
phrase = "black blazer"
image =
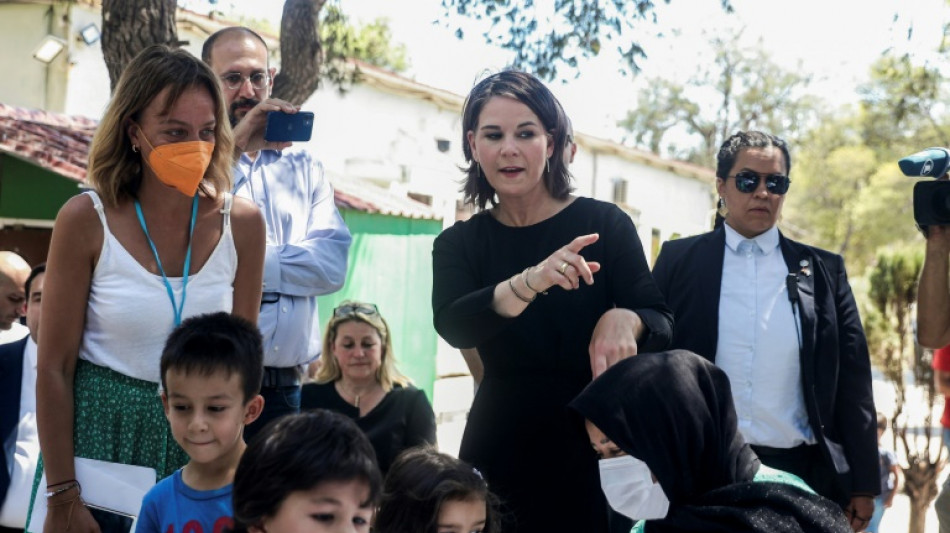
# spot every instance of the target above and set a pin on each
(836, 369)
(11, 381)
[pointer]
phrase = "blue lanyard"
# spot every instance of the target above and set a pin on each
(168, 286)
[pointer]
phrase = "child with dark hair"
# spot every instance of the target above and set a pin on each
(890, 478)
(314, 471)
(430, 492)
(211, 371)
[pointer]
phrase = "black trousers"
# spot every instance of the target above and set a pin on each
(806, 462)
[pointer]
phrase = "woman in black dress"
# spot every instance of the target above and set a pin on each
(551, 289)
(358, 378)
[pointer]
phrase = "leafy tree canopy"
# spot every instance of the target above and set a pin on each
(548, 36)
(741, 89)
(372, 42)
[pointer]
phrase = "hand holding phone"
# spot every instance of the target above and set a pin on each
(288, 127)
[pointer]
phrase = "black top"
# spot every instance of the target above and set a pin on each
(519, 434)
(402, 419)
(674, 411)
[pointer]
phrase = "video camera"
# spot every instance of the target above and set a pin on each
(931, 198)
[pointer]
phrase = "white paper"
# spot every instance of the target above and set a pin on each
(110, 485)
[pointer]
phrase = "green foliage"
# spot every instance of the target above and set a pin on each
(892, 293)
(742, 89)
(846, 197)
(548, 36)
(903, 104)
(371, 43)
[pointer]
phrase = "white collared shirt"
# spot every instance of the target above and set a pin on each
(758, 344)
(306, 253)
(23, 450)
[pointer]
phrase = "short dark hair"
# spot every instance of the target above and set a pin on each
(217, 342)
(37, 270)
(881, 422)
(528, 90)
(730, 148)
(419, 482)
(297, 453)
(208, 47)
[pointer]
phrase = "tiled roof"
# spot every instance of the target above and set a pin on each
(61, 143)
(57, 142)
(363, 195)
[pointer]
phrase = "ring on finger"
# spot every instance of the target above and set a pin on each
(563, 268)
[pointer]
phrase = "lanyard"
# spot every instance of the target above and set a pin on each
(168, 286)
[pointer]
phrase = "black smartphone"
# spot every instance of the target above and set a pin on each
(110, 520)
(288, 127)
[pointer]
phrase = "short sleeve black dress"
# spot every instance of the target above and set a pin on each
(533, 453)
(402, 420)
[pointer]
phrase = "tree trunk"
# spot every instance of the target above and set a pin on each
(920, 484)
(918, 517)
(301, 53)
(130, 26)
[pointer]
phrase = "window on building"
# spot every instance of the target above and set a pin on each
(620, 191)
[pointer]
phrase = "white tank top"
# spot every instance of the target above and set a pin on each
(129, 315)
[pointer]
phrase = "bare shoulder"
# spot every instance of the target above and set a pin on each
(245, 214)
(248, 224)
(78, 217)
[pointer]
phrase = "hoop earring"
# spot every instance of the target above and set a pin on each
(135, 148)
(722, 209)
(547, 165)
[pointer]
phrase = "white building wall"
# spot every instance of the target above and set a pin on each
(88, 91)
(30, 83)
(391, 139)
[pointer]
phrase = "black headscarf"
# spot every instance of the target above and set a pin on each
(674, 411)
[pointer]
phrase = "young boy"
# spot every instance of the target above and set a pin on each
(211, 373)
(890, 478)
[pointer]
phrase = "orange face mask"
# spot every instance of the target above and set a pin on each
(180, 165)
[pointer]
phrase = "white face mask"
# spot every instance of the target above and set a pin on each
(630, 490)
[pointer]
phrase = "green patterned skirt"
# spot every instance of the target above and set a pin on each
(120, 419)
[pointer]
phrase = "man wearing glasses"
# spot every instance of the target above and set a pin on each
(307, 241)
(779, 317)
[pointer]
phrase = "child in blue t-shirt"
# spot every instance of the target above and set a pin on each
(211, 373)
(890, 478)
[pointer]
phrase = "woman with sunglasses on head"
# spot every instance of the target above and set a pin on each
(551, 289)
(358, 378)
(779, 318)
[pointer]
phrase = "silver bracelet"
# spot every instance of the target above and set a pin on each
(524, 278)
(520, 297)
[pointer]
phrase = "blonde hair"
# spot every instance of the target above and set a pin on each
(115, 170)
(387, 374)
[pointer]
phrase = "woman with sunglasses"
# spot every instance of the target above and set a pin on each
(551, 289)
(358, 378)
(779, 318)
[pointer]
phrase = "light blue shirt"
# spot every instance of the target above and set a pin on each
(758, 344)
(307, 246)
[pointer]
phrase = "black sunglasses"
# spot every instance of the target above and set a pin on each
(349, 309)
(747, 181)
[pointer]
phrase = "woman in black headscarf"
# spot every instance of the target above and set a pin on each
(665, 427)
